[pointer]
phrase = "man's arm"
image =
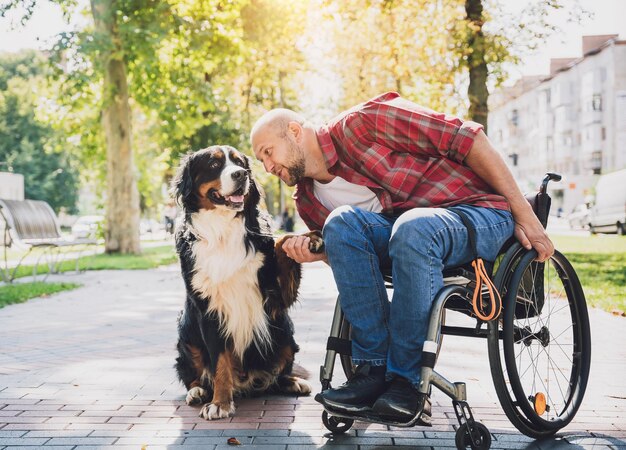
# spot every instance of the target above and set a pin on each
(487, 163)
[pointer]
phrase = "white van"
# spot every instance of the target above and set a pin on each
(608, 214)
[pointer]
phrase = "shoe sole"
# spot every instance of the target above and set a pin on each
(342, 407)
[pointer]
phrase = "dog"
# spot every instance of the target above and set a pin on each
(235, 336)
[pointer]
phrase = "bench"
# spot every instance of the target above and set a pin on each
(32, 224)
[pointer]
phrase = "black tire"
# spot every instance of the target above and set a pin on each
(462, 437)
(545, 345)
(336, 425)
(621, 229)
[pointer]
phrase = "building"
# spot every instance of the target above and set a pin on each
(572, 121)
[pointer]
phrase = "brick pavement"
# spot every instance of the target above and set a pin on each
(92, 368)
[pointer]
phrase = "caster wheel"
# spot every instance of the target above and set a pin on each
(336, 425)
(463, 440)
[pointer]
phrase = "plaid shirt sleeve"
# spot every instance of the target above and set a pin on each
(395, 122)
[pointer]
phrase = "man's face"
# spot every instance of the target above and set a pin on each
(281, 156)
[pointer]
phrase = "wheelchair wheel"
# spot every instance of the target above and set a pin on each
(336, 425)
(463, 440)
(540, 364)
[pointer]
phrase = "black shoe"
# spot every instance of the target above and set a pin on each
(402, 403)
(357, 394)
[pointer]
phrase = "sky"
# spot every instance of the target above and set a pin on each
(608, 18)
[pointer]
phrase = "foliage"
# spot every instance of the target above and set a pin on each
(49, 173)
(379, 45)
(20, 292)
(421, 48)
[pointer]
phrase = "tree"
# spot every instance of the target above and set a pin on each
(122, 210)
(486, 53)
(477, 91)
(443, 54)
(25, 139)
(381, 45)
(150, 54)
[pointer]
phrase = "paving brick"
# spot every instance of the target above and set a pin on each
(12, 433)
(149, 441)
(9, 441)
(82, 441)
(107, 386)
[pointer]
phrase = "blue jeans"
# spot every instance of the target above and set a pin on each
(420, 243)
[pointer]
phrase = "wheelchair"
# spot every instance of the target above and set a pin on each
(539, 347)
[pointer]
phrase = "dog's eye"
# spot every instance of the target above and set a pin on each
(214, 164)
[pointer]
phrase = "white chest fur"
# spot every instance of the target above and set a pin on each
(227, 275)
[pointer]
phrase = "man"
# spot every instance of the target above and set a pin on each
(378, 180)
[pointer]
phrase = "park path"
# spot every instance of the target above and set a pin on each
(93, 368)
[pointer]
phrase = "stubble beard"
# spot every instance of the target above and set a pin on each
(296, 165)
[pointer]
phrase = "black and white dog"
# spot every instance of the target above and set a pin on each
(235, 336)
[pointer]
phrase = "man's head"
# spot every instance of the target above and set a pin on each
(278, 142)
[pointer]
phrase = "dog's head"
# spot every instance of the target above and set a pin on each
(217, 177)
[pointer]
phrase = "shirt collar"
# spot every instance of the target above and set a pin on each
(327, 146)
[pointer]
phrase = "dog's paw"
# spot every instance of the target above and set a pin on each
(211, 411)
(294, 385)
(196, 396)
(317, 243)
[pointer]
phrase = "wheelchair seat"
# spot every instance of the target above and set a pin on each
(463, 275)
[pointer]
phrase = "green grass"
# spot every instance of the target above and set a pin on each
(600, 262)
(149, 258)
(20, 292)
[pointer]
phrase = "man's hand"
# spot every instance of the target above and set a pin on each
(298, 249)
(531, 234)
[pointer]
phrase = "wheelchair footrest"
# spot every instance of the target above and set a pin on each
(370, 416)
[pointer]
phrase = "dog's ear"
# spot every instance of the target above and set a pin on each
(254, 194)
(181, 187)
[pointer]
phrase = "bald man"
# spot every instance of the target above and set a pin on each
(379, 181)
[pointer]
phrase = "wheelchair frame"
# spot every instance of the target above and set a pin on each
(514, 263)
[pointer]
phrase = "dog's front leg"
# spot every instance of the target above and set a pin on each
(222, 404)
(289, 271)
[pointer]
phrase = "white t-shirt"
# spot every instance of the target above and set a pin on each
(339, 192)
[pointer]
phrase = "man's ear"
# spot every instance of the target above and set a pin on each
(296, 130)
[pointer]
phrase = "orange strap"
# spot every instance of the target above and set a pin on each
(495, 307)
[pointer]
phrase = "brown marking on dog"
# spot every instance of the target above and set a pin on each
(223, 381)
(285, 359)
(290, 271)
(235, 156)
(198, 364)
(204, 201)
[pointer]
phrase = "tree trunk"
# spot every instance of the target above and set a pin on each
(477, 90)
(122, 202)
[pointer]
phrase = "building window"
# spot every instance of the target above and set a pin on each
(603, 133)
(596, 162)
(514, 117)
(596, 103)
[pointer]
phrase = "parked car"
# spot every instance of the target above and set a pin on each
(579, 217)
(87, 226)
(608, 214)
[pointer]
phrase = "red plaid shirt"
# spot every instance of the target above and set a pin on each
(409, 156)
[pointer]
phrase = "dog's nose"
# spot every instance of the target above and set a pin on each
(239, 175)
